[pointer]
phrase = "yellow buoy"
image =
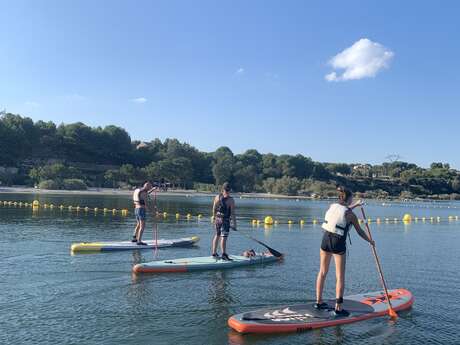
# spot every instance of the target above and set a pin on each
(302, 222)
(78, 208)
(200, 216)
(276, 222)
(51, 206)
(407, 218)
(254, 222)
(165, 214)
(315, 221)
(289, 222)
(61, 207)
(70, 208)
(438, 219)
(268, 220)
(36, 203)
(86, 209)
(189, 216)
(177, 215)
(105, 209)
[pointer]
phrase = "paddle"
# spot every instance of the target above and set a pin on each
(155, 224)
(271, 250)
(391, 312)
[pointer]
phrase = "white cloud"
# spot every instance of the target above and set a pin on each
(240, 71)
(32, 104)
(364, 59)
(75, 97)
(139, 100)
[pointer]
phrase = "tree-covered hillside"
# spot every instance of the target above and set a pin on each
(74, 156)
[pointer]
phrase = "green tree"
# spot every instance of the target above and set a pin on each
(222, 169)
(112, 177)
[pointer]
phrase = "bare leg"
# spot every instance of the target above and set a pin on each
(141, 230)
(340, 261)
(136, 229)
(215, 240)
(223, 244)
(324, 261)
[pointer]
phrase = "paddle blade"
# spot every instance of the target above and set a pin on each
(392, 314)
(274, 252)
(271, 250)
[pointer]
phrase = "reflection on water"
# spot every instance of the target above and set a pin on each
(57, 295)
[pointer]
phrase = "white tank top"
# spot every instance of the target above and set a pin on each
(335, 220)
(136, 197)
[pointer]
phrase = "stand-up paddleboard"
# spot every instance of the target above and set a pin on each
(302, 317)
(201, 264)
(88, 247)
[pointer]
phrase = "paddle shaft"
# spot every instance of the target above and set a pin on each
(377, 261)
(273, 251)
(155, 224)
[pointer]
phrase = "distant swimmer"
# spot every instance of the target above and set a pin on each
(140, 202)
(223, 210)
(338, 219)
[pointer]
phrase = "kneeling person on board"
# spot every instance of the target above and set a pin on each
(140, 202)
(338, 219)
(223, 210)
(249, 253)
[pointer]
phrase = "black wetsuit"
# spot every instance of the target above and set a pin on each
(222, 217)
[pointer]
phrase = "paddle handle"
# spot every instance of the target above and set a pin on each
(377, 261)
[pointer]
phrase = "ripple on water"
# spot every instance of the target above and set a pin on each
(50, 297)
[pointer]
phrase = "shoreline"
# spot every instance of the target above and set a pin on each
(115, 192)
(185, 193)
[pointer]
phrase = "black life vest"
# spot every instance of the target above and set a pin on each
(222, 209)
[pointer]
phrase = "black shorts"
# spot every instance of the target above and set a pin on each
(222, 227)
(333, 243)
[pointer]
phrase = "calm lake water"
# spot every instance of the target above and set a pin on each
(50, 297)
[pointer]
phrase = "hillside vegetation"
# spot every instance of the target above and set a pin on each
(76, 156)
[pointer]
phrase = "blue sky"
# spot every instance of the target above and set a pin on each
(244, 74)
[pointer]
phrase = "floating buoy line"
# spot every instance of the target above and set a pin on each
(267, 221)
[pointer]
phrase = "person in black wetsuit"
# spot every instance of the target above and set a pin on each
(223, 210)
(338, 220)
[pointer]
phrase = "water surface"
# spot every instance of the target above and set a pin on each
(50, 297)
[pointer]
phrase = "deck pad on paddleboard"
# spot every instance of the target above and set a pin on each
(292, 318)
(128, 245)
(201, 264)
